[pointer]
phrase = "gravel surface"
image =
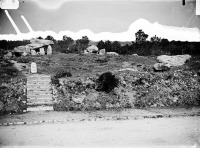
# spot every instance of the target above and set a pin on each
(125, 114)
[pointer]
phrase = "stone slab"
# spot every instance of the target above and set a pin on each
(40, 108)
(39, 96)
(39, 92)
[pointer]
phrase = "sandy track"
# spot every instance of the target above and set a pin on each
(144, 132)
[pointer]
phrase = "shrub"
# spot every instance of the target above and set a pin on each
(55, 81)
(62, 73)
(101, 60)
(24, 60)
(106, 82)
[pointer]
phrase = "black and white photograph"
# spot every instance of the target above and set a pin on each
(100, 73)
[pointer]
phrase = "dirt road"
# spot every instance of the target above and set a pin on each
(142, 132)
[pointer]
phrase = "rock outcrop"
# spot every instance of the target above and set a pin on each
(8, 55)
(112, 53)
(161, 67)
(92, 49)
(177, 60)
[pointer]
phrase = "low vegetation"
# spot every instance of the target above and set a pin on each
(94, 82)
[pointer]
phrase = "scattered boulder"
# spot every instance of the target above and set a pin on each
(8, 55)
(78, 98)
(112, 53)
(161, 67)
(126, 64)
(135, 55)
(21, 50)
(177, 60)
(33, 52)
(102, 52)
(92, 49)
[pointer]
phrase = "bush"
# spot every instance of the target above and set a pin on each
(101, 60)
(24, 60)
(106, 82)
(55, 81)
(62, 73)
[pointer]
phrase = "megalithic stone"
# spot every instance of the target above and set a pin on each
(49, 50)
(33, 67)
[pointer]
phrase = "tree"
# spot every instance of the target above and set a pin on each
(39, 37)
(82, 44)
(141, 37)
(116, 46)
(66, 44)
(155, 39)
(124, 49)
(101, 45)
(108, 46)
(49, 37)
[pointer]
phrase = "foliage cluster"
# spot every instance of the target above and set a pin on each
(141, 46)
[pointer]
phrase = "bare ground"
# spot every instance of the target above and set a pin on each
(168, 132)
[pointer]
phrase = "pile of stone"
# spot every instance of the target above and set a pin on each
(37, 47)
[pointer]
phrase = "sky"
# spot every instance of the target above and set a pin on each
(98, 15)
(120, 18)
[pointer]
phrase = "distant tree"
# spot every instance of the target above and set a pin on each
(141, 37)
(39, 37)
(108, 46)
(124, 49)
(155, 39)
(82, 44)
(66, 44)
(49, 37)
(4, 44)
(116, 46)
(101, 45)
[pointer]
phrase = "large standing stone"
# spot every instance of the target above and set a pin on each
(33, 52)
(33, 67)
(49, 50)
(102, 52)
(42, 52)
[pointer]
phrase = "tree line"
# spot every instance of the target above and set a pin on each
(141, 46)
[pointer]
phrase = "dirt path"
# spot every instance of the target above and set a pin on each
(104, 115)
(143, 132)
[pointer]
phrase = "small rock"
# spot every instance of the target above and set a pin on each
(8, 55)
(112, 53)
(161, 67)
(102, 52)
